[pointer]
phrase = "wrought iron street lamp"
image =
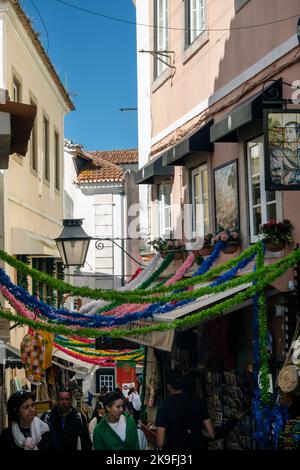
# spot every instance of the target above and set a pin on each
(73, 243)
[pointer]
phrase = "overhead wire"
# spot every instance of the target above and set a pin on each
(45, 28)
(134, 23)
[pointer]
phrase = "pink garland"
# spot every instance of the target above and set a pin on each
(122, 310)
(16, 304)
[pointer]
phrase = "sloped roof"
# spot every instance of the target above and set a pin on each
(100, 171)
(118, 157)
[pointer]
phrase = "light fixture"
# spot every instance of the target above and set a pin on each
(73, 243)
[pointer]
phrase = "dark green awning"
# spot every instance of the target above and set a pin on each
(197, 142)
(147, 173)
(249, 111)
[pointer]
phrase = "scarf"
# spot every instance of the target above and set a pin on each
(37, 429)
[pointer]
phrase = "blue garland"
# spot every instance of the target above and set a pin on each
(98, 321)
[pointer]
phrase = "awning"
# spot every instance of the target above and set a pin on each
(12, 357)
(79, 367)
(197, 142)
(21, 122)
(24, 242)
(154, 168)
(249, 112)
(207, 301)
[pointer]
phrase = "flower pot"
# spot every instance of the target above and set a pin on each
(272, 245)
(230, 247)
(204, 251)
(147, 257)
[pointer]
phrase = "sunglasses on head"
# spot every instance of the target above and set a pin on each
(20, 393)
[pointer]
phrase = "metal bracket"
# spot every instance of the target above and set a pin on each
(100, 245)
(166, 54)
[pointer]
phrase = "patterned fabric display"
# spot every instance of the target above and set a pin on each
(32, 356)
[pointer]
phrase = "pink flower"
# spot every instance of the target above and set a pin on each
(234, 235)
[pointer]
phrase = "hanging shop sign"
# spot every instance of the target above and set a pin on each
(154, 339)
(282, 149)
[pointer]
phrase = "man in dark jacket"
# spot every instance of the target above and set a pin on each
(68, 426)
(182, 421)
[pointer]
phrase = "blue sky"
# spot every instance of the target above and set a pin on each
(96, 59)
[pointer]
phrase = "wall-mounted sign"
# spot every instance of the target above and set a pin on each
(282, 149)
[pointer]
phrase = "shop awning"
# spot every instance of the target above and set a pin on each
(77, 366)
(249, 112)
(196, 142)
(12, 357)
(155, 167)
(25, 242)
(207, 301)
(199, 304)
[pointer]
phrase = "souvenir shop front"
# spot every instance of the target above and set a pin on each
(217, 358)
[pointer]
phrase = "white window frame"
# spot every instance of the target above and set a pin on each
(107, 381)
(17, 90)
(165, 226)
(196, 19)
(161, 35)
(263, 194)
(199, 171)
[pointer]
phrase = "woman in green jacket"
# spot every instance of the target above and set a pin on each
(116, 430)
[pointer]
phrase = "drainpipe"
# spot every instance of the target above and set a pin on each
(122, 194)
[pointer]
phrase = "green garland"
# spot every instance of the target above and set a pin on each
(281, 265)
(263, 335)
(121, 296)
(277, 270)
(168, 259)
(145, 284)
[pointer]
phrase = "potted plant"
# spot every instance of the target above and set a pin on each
(168, 245)
(276, 234)
(145, 251)
(231, 238)
(207, 247)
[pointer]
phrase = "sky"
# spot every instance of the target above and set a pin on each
(95, 59)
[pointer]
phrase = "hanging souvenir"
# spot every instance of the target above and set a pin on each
(48, 341)
(32, 356)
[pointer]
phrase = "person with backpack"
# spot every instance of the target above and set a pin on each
(182, 421)
(68, 427)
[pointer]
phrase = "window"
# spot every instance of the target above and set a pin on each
(46, 149)
(33, 142)
(57, 161)
(161, 35)
(200, 201)
(105, 377)
(164, 196)
(17, 90)
(195, 19)
(263, 205)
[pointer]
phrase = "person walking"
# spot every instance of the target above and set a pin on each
(134, 399)
(182, 421)
(25, 431)
(117, 430)
(68, 427)
(97, 415)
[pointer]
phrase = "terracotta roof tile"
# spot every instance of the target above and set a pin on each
(100, 171)
(127, 156)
